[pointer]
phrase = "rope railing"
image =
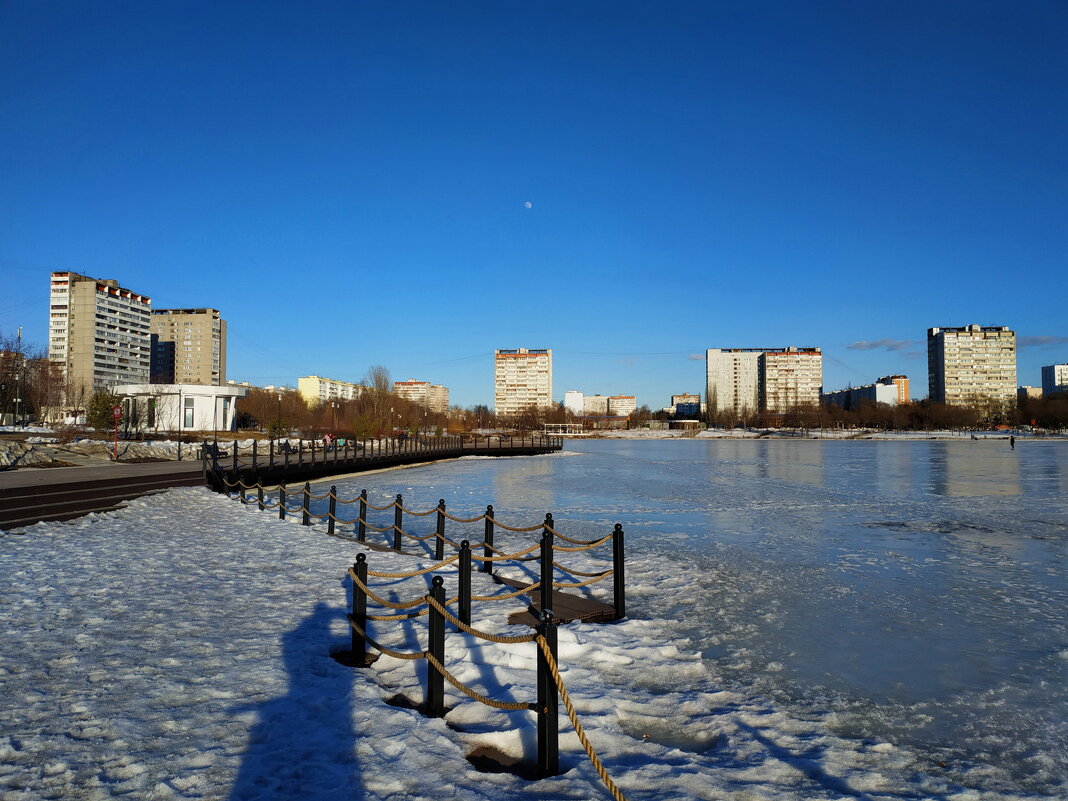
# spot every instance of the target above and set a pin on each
(491, 556)
(550, 685)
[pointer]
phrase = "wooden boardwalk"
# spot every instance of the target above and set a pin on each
(566, 608)
(30, 495)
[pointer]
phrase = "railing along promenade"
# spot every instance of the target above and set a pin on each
(280, 459)
(550, 688)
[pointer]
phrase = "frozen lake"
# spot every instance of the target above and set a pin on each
(909, 592)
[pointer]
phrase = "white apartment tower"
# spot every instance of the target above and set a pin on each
(971, 364)
(433, 396)
(98, 333)
(733, 379)
(188, 347)
(1054, 379)
(522, 378)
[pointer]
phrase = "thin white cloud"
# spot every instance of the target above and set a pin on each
(1041, 341)
(886, 344)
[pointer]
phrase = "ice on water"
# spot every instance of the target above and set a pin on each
(805, 624)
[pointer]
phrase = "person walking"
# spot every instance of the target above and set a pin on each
(1012, 442)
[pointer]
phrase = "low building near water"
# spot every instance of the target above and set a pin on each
(181, 407)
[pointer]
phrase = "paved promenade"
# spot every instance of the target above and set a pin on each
(28, 477)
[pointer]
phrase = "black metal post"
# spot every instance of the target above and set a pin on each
(398, 522)
(548, 702)
(359, 611)
(235, 458)
(281, 501)
(288, 446)
(259, 495)
(546, 589)
(361, 524)
(435, 682)
(333, 511)
(272, 453)
(617, 572)
(241, 489)
(487, 567)
(439, 540)
(254, 454)
(465, 583)
(313, 452)
(300, 452)
(305, 505)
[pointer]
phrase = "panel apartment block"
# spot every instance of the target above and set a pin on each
(733, 379)
(188, 347)
(522, 378)
(98, 333)
(317, 390)
(971, 364)
(433, 396)
(1054, 379)
(770, 379)
(791, 377)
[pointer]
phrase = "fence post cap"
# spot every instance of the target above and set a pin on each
(399, 496)
(464, 544)
(361, 557)
(548, 515)
(489, 507)
(441, 502)
(363, 493)
(438, 581)
(546, 615)
(619, 527)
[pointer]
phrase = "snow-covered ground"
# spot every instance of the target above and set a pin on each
(180, 648)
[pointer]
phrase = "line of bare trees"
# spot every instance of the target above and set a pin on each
(1051, 413)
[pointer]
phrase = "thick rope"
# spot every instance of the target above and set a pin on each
(416, 514)
(585, 583)
(611, 785)
(566, 538)
(578, 548)
(382, 601)
(414, 537)
(482, 635)
(505, 556)
(381, 508)
(513, 528)
(464, 519)
(387, 651)
(422, 572)
(482, 699)
(579, 572)
(506, 596)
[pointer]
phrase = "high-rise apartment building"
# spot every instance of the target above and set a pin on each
(522, 378)
(745, 380)
(791, 377)
(1054, 379)
(188, 347)
(98, 333)
(433, 396)
(622, 405)
(733, 379)
(971, 364)
(574, 402)
(317, 390)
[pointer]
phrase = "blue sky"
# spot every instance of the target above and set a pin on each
(348, 181)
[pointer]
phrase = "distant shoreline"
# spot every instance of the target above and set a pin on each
(838, 435)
